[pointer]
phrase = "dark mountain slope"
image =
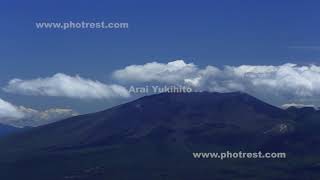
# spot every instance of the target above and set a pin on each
(6, 129)
(178, 115)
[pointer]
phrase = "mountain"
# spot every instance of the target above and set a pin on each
(6, 129)
(153, 138)
(176, 115)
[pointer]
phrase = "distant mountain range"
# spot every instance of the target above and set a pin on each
(154, 137)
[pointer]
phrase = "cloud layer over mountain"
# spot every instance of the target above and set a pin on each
(286, 106)
(283, 83)
(21, 116)
(287, 80)
(62, 85)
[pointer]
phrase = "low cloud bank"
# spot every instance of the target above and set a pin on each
(20, 116)
(297, 105)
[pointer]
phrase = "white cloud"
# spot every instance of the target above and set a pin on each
(62, 85)
(168, 73)
(21, 116)
(9, 111)
(289, 81)
(34, 117)
(297, 105)
(285, 80)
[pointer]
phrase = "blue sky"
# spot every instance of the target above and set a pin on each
(218, 33)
